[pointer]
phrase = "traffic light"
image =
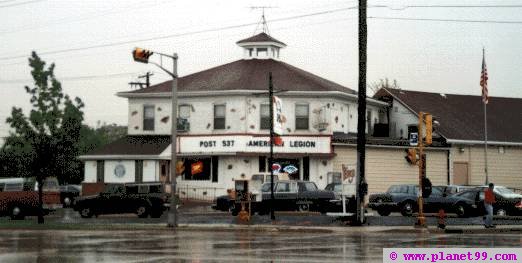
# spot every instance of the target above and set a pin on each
(141, 55)
(428, 119)
(426, 187)
(411, 156)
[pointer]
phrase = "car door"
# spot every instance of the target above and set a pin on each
(283, 196)
(435, 201)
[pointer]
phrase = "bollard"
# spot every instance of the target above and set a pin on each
(442, 221)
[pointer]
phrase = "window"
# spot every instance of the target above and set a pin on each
(262, 164)
(138, 171)
(201, 169)
(148, 118)
(100, 171)
(301, 117)
(184, 111)
(250, 52)
(310, 186)
(265, 117)
(219, 117)
(262, 52)
(283, 187)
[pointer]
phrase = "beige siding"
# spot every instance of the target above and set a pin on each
(504, 168)
(387, 166)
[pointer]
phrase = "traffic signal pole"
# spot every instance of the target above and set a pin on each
(172, 216)
(421, 220)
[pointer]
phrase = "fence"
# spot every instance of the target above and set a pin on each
(197, 193)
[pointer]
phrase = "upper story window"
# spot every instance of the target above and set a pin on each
(219, 117)
(265, 117)
(148, 117)
(250, 50)
(301, 117)
(184, 111)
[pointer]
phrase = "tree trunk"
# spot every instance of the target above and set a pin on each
(40, 200)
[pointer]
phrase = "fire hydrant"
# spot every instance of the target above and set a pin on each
(442, 219)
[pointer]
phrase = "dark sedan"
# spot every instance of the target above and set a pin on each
(403, 198)
(507, 201)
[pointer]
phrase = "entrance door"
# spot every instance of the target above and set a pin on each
(460, 173)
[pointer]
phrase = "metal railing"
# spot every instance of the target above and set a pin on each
(197, 193)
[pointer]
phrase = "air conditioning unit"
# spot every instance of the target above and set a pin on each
(183, 125)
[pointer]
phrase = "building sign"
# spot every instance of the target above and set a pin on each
(253, 144)
(349, 180)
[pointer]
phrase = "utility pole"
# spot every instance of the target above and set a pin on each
(147, 78)
(361, 121)
(271, 158)
(421, 220)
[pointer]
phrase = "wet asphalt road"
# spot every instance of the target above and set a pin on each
(44, 246)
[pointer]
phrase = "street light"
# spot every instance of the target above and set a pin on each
(142, 55)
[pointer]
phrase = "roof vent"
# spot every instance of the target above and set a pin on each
(443, 95)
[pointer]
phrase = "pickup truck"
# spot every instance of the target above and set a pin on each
(143, 199)
(292, 195)
(19, 198)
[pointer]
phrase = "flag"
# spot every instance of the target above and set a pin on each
(484, 80)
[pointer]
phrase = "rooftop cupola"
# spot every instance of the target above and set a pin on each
(261, 46)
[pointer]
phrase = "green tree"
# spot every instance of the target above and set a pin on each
(46, 139)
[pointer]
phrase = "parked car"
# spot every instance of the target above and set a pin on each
(403, 199)
(224, 203)
(453, 189)
(143, 199)
(336, 205)
(507, 201)
(19, 197)
(68, 193)
(292, 195)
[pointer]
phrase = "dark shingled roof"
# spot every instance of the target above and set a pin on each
(461, 117)
(262, 37)
(249, 74)
(135, 145)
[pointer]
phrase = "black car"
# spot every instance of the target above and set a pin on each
(403, 198)
(143, 199)
(507, 202)
(291, 195)
(224, 203)
(68, 193)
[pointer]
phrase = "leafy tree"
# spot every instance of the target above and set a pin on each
(45, 141)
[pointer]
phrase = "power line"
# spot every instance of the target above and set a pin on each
(399, 8)
(75, 78)
(446, 20)
(23, 3)
(180, 34)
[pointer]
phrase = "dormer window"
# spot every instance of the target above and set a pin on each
(261, 46)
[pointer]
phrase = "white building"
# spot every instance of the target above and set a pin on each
(223, 125)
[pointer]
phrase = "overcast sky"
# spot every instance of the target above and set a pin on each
(91, 41)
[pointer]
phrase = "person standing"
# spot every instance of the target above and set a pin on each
(489, 200)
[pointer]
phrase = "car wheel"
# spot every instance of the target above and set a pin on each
(142, 211)
(85, 212)
(460, 210)
(303, 207)
(501, 212)
(384, 212)
(67, 202)
(407, 208)
(16, 213)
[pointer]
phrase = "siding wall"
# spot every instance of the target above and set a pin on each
(387, 166)
(504, 168)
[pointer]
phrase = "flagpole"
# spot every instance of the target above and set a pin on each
(485, 95)
(486, 143)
